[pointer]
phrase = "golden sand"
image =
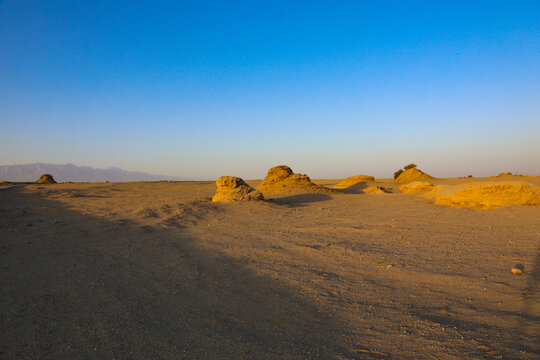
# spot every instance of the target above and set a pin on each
(378, 190)
(416, 187)
(353, 180)
(486, 195)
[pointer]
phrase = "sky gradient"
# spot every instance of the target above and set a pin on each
(201, 89)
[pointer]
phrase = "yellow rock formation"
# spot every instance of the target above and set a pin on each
(281, 179)
(46, 179)
(231, 188)
(412, 175)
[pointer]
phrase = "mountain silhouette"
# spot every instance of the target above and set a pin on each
(70, 172)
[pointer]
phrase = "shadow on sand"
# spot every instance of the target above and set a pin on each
(300, 199)
(76, 286)
(356, 188)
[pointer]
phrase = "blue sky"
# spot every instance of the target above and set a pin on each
(208, 88)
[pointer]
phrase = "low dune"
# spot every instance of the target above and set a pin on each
(416, 187)
(486, 195)
(353, 180)
(378, 190)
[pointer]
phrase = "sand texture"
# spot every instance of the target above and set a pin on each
(412, 174)
(156, 270)
(416, 187)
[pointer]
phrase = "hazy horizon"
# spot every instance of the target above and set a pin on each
(34, 175)
(201, 90)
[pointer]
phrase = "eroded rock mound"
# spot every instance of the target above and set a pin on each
(486, 195)
(231, 188)
(46, 179)
(416, 187)
(353, 180)
(412, 174)
(281, 179)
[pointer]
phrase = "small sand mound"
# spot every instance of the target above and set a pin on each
(281, 179)
(231, 188)
(412, 174)
(416, 187)
(486, 195)
(46, 179)
(353, 180)
(378, 190)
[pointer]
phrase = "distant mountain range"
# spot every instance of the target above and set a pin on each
(70, 172)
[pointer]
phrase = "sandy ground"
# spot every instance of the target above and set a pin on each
(156, 270)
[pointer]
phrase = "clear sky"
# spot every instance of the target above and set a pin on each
(331, 88)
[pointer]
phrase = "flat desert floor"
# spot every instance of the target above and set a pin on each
(155, 270)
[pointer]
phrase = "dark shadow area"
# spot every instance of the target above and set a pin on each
(76, 286)
(448, 321)
(300, 199)
(77, 193)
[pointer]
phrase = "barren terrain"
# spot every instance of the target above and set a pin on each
(156, 270)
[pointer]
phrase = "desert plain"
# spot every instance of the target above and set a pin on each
(156, 270)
